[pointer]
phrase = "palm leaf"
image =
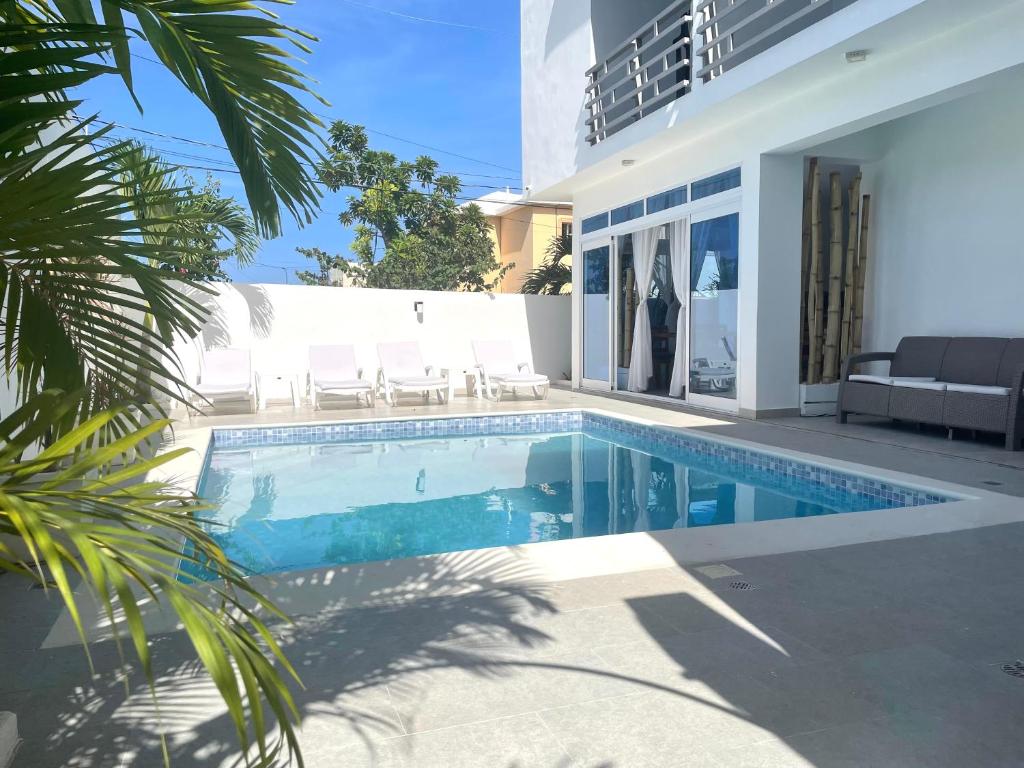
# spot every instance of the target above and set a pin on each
(552, 277)
(81, 515)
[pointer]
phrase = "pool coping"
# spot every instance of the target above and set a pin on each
(309, 591)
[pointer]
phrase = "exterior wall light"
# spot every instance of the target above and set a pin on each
(628, 162)
(855, 57)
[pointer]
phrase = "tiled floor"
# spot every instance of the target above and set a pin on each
(884, 654)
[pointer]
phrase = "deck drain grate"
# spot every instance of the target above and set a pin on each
(991, 482)
(1016, 669)
(741, 585)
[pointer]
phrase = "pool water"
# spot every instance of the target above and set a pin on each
(306, 505)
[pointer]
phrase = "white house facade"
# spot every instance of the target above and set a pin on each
(682, 131)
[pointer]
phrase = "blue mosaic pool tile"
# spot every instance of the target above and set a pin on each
(777, 471)
(531, 423)
(727, 457)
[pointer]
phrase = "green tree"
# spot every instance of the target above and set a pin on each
(325, 264)
(89, 317)
(409, 213)
(209, 227)
(552, 277)
(218, 229)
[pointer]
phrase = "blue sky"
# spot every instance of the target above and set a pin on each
(448, 79)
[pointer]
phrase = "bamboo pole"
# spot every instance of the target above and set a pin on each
(815, 285)
(862, 269)
(830, 363)
(805, 267)
(849, 286)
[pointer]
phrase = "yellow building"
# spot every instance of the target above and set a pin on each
(521, 232)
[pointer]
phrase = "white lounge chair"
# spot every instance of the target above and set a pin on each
(226, 375)
(499, 368)
(333, 371)
(402, 370)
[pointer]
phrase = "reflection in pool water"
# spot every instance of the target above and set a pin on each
(287, 507)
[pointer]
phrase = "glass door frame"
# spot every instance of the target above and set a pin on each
(591, 244)
(725, 208)
(692, 212)
(610, 237)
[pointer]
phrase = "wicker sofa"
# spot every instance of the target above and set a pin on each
(959, 383)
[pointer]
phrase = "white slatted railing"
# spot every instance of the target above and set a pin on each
(736, 30)
(650, 69)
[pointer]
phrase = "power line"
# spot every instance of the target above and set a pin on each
(327, 117)
(211, 145)
(423, 19)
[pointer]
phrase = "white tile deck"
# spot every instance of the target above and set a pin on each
(886, 653)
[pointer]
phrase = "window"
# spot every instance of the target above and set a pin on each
(594, 223)
(628, 212)
(666, 200)
(712, 185)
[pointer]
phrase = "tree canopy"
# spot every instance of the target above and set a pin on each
(325, 266)
(410, 231)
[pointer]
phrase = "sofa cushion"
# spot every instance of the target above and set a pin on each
(935, 386)
(867, 378)
(978, 389)
(972, 360)
(919, 356)
(1012, 362)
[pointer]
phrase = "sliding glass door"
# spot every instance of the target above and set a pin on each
(714, 310)
(687, 299)
(597, 318)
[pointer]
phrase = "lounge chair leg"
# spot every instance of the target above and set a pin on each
(949, 433)
(497, 397)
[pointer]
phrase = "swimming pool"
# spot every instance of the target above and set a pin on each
(289, 498)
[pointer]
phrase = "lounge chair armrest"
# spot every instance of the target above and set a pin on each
(527, 365)
(429, 370)
(863, 357)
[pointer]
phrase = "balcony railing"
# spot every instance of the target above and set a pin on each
(653, 66)
(650, 69)
(734, 31)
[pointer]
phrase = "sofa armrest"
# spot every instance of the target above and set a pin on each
(863, 357)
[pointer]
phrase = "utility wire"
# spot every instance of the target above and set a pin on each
(211, 145)
(327, 117)
(422, 19)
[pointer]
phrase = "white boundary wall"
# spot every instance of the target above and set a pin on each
(279, 322)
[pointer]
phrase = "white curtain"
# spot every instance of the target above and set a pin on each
(641, 361)
(679, 259)
(641, 488)
(681, 474)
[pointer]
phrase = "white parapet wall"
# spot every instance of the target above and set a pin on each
(279, 322)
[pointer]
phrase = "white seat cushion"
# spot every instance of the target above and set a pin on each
(344, 384)
(426, 382)
(240, 389)
(869, 379)
(526, 379)
(937, 386)
(978, 389)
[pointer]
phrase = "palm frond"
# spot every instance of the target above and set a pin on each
(234, 61)
(552, 277)
(76, 276)
(87, 513)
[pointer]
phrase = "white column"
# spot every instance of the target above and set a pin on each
(769, 304)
